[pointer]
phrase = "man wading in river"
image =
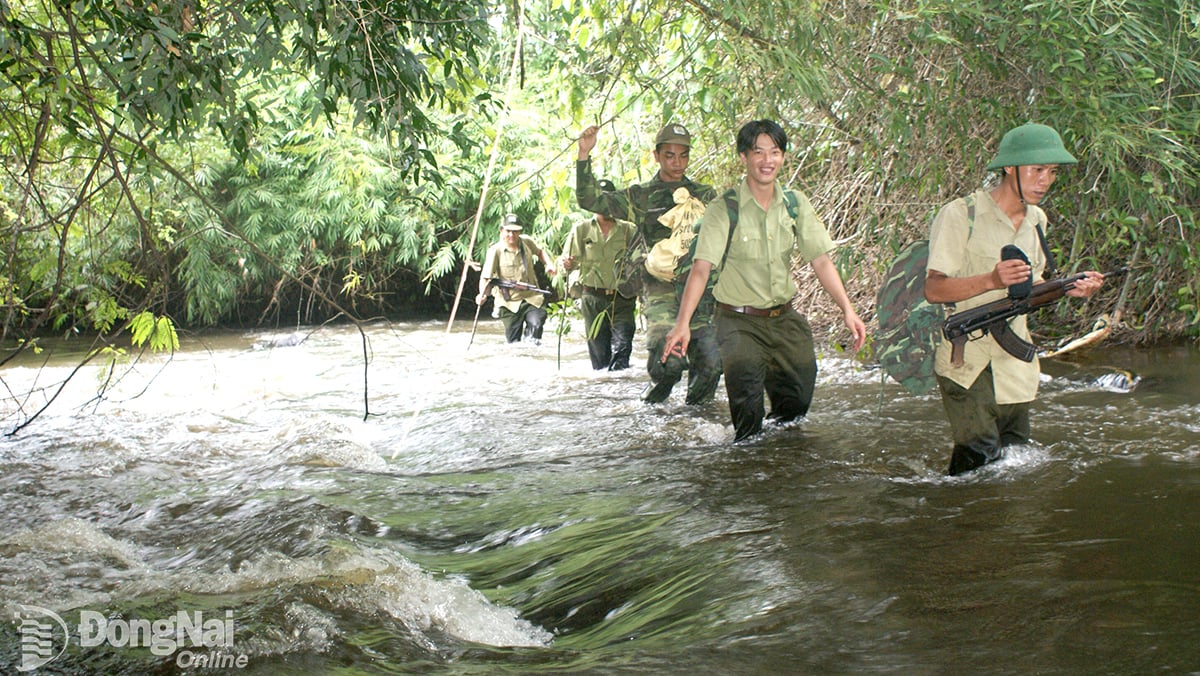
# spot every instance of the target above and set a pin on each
(595, 250)
(764, 342)
(642, 205)
(512, 259)
(987, 397)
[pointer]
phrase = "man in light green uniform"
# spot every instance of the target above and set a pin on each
(513, 259)
(987, 397)
(642, 205)
(595, 250)
(765, 344)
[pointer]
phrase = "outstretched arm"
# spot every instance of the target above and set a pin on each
(831, 281)
(681, 334)
(548, 261)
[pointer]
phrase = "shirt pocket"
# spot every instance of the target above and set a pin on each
(747, 245)
(592, 250)
(982, 256)
(512, 270)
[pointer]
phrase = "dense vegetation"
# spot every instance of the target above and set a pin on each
(270, 163)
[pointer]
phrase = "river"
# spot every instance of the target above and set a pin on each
(504, 509)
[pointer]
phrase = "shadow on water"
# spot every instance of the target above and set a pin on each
(503, 510)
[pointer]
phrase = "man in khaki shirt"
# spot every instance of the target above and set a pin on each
(765, 344)
(512, 259)
(987, 397)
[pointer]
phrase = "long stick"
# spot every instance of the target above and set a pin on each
(475, 324)
(487, 176)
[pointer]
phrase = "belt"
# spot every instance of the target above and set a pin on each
(598, 291)
(757, 312)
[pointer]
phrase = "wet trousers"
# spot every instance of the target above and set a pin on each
(526, 322)
(608, 321)
(979, 425)
(703, 362)
(771, 355)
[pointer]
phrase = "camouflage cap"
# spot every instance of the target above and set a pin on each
(673, 133)
(511, 222)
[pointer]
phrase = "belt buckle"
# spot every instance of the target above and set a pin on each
(775, 312)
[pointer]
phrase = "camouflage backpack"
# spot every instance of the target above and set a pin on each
(910, 327)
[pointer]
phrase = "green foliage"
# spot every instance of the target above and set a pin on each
(181, 66)
(118, 119)
(561, 312)
(157, 332)
(340, 150)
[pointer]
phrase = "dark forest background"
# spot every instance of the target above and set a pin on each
(272, 163)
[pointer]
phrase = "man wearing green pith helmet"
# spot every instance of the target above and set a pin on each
(987, 397)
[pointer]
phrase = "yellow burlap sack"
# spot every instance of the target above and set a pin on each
(664, 255)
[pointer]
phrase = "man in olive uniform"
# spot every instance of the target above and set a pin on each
(765, 343)
(513, 259)
(987, 397)
(595, 249)
(642, 205)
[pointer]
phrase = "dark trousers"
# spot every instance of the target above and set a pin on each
(979, 425)
(703, 365)
(608, 321)
(771, 355)
(526, 322)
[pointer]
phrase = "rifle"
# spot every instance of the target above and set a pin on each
(506, 287)
(993, 317)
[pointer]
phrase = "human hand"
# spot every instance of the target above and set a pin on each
(567, 262)
(1009, 272)
(587, 141)
(677, 342)
(480, 299)
(1087, 286)
(857, 327)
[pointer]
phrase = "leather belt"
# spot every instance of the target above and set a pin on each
(757, 312)
(598, 291)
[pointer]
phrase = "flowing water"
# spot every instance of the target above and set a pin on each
(505, 509)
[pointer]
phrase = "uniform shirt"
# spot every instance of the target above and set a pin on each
(758, 267)
(958, 248)
(515, 267)
(598, 257)
(639, 204)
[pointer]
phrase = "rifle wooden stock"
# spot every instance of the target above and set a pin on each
(993, 317)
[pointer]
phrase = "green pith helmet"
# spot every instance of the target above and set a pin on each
(1031, 144)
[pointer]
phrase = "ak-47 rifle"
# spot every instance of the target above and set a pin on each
(506, 287)
(993, 317)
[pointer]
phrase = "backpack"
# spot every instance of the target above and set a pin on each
(909, 326)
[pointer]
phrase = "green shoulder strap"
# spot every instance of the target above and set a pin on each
(731, 206)
(526, 252)
(792, 202)
(970, 201)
